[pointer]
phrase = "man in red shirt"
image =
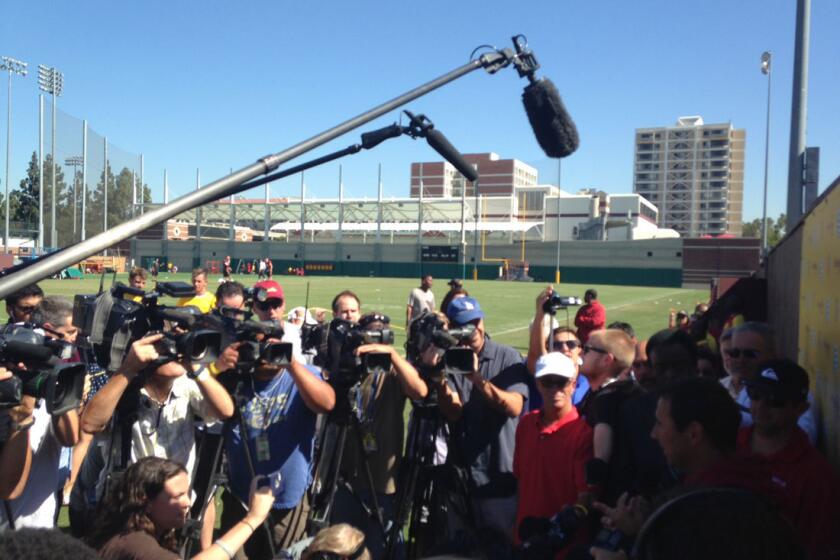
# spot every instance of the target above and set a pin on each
(808, 487)
(590, 317)
(553, 445)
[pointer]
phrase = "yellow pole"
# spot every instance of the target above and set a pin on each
(557, 276)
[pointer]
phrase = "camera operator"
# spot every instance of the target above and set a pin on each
(347, 305)
(278, 406)
(15, 451)
(23, 302)
(493, 395)
(48, 434)
(380, 400)
(157, 405)
(142, 512)
(274, 309)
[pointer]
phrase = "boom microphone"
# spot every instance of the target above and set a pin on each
(556, 133)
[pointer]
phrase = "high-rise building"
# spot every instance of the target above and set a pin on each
(496, 177)
(694, 173)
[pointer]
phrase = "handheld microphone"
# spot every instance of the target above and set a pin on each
(441, 145)
(556, 133)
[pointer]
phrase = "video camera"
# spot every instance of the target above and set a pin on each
(113, 322)
(44, 376)
(557, 302)
(255, 349)
(428, 329)
(343, 338)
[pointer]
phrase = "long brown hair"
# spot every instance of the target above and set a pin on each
(124, 508)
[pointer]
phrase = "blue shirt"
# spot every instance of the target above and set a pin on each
(276, 409)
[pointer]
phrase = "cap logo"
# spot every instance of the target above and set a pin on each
(469, 306)
(769, 374)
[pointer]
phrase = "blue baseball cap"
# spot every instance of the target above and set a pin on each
(463, 310)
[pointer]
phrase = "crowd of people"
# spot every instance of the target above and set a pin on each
(595, 444)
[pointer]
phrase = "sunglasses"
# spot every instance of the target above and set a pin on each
(554, 381)
(587, 349)
(738, 352)
(25, 308)
(773, 399)
(568, 344)
(268, 304)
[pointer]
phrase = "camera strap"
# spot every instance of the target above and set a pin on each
(9, 517)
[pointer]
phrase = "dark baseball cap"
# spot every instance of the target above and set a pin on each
(455, 283)
(784, 378)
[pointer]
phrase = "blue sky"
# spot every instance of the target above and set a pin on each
(215, 85)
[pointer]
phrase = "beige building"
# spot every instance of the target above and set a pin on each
(496, 177)
(694, 173)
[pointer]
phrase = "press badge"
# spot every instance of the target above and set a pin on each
(263, 448)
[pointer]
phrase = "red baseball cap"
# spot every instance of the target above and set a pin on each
(273, 290)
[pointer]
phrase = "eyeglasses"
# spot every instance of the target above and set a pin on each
(25, 308)
(746, 352)
(568, 344)
(273, 303)
(773, 399)
(554, 381)
(587, 349)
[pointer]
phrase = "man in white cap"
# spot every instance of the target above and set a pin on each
(553, 444)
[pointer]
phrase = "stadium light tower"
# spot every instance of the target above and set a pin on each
(51, 81)
(74, 161)
(766, 58)
(14, 67)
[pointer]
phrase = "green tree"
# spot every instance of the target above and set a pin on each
(120, 208)
(775, 229)
(752, 229)
(25, 197)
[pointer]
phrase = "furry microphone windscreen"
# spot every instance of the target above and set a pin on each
(555, 131)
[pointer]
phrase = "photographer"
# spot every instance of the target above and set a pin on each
(380, 401)
(48, 434)
(493, 395)
(278, 407)
(157, 407)
(141, 514)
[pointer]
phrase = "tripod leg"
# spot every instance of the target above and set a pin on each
(329, 465)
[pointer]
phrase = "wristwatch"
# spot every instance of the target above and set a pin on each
(197, 373)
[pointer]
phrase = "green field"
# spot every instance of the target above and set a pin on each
(508, 306)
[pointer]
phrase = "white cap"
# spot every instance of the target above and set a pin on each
(555, 363)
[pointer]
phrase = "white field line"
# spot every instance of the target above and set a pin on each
(610, 308)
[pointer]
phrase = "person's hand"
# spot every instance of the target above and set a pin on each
(431, 356)
(627, 516)
(475, 377)
(260, 501)
(543, 297)
(228, 358)
(141, 354)
(22, 413)
(604, 554)
(374, 348)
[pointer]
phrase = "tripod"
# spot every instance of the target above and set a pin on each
(344, 421)
(425, 514)
(205, 482)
